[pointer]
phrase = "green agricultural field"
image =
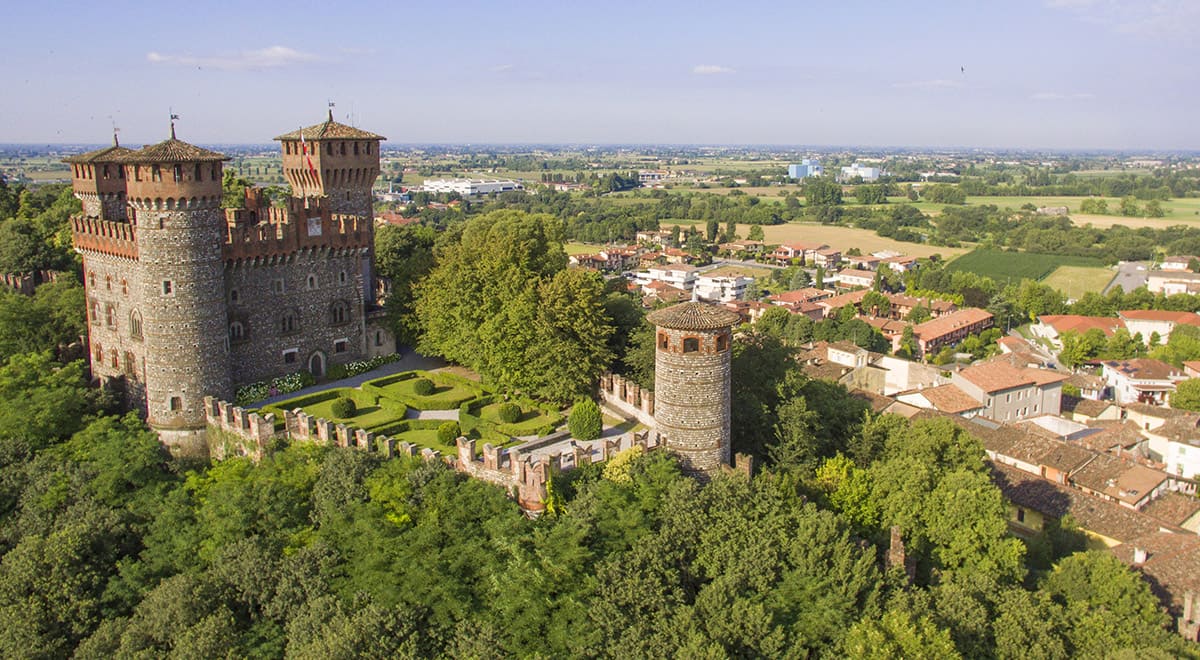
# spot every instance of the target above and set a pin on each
(573, 248)
(1075, 281)
(1005, 267)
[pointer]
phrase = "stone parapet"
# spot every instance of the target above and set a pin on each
(252, 432)
(285, 231)
(118, 239)
(627, 397)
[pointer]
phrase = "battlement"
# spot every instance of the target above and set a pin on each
(627, 397)
(109, 237)
(27, 283)
(251, 433)
(265, 231)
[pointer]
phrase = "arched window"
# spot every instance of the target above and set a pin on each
(112, 359)
(234, 296)
(108, 282)
(96, 312)
(130, 364)
(340, 312)
(691, 345)
(110, 316)
(125, 287)
(311, 282)
(237, 331)
(289, 323)
(99, 354)
(137, 172)
(342, 277)
(92, 279)
(106, 171)
(135, 324)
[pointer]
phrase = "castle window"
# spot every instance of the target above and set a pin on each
(130, 364)
(112, 357)
(168, 288)
(339, 346)
(289, 323)
(197, 173)
(106, 171)
(125, 287)
(277, 286)
(379, 337)
(99, 354)
(155, 173)
(135, 324)
(120, 172)
(234, 296)
(329, 148)
(108, 282)
(290, 356)
(368, 148)
(691, 344)
(311, 282)
(355, 148)
(341, 312)
(342, 148)
(722, 342)
(92, 279)
(237, 331)
(216, 172)
(110, 316)
(176, 404)
(178, 173)
(96, 312)
(137, 172)
(342, 277)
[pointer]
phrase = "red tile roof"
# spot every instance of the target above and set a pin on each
(1161, 315)
(997, 375)
(1081, 324)
(944, 325)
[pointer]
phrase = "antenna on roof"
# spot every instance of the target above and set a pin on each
(115, 131)
(330, 104)
(173, 118)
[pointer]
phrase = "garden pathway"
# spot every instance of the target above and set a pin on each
(450, 415)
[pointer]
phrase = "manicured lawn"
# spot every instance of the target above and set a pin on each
(581, 248)
(367, 417)
(446, 396)
(530, 421)
(425, 438)
(1078, 280)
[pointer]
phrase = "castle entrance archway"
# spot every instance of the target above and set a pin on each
(316, 364)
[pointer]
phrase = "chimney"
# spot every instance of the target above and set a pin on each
(1139, 556)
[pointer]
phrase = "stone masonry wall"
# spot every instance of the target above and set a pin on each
(307, 285)
(113, 289)
(692, 400)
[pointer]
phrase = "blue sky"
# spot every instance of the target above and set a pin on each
(1019, 73)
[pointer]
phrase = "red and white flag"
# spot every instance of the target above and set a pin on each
(307, 156)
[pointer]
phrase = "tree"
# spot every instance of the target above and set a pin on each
(502, 302)
(1187, 395)
(731, 230)
(710, 229)
(919, 315)
(819, 280)
(404, 255)
(822, 191)
(876, 304)
(585, 422)
(898, 634)
(233, 191)
(756, 233)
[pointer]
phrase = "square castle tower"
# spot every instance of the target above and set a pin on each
(187, 299)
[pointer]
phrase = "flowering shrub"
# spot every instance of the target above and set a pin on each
(253, 392)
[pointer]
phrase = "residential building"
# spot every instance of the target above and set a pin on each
(948, 399)
(900, 263)
(903, 305)
(862, 261)
(1052, 326)
(833, 304)
(785, 253)
(1177, 263)
(827, 258)
(1009, 392)
(1141, 380)
(950, 329)
(652, 178)
(1171, 282)
(746, 247)
(681, 276)
(1176, 444)
(1149, 322)
(792, 298)
(851, 278)
(721, 288)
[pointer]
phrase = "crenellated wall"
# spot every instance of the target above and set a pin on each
(627, 397)
(118, 239)
(284, 231)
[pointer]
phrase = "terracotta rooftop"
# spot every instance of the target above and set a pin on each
(944, 325)
(885, 325)
(1173, 508)
(843, 299)
(861, 274)
(1086, 381)
(1156, 411)
(1091, 513)
(998, 375)
(1081, 324)
(1118, 478)
(1111, 435)
(1189, 318)
(877, 402)
(1182, 428)
(109, 154)
(171, 151)
(1144, 369)
(694, 316)
(902, 300)
(800, 295)
(1028, 447)
(331, 130)
(950, 399)
(1171, 561)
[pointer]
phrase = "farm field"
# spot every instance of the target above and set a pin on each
(842, 238)
(1012, 267)
(1074, 281)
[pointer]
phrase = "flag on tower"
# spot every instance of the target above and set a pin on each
(307, 156)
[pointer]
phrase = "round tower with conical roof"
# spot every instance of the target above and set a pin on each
(174, 197)
(692, 384)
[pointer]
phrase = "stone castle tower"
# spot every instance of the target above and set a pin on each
(187, 299)
(692, 383)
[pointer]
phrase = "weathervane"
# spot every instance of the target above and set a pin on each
(173, 118)
(330, 105)
(115, 131)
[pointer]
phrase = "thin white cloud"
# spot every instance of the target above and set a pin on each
(711, 69)
(501, 68)
(1059, 96)
(1160, 18)
(264, 58)
(940, 83)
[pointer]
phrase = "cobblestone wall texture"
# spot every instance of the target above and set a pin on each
(692, 398)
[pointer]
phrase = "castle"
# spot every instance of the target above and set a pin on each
(187, 299)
